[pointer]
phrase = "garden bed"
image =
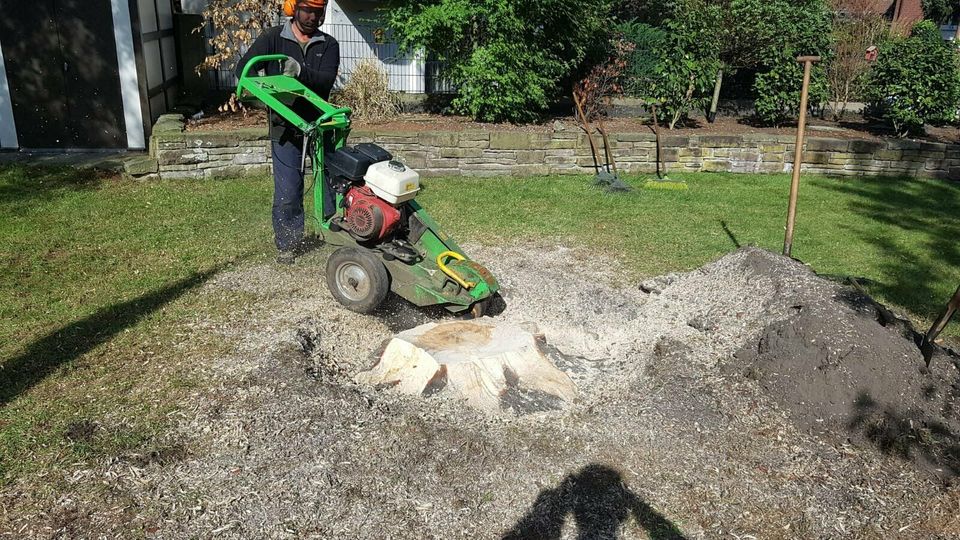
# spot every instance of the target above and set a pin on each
(852, 127)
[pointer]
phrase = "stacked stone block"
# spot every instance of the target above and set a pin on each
(181, 154)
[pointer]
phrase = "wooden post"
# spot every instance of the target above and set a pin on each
(798, 153)
(661, 173)
(606, 147)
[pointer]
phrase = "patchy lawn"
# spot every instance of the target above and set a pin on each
(100, 279)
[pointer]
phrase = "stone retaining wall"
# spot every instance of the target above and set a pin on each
(180, 154)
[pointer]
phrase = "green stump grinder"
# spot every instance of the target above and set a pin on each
(387, 242)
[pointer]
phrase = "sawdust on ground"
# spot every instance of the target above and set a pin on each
(669, 438)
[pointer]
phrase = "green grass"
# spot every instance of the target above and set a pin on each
(100, 274)
(902, 237)
(96, 273)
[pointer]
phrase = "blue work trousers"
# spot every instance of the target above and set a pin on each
(288, 215)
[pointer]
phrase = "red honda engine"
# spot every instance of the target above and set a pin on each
(367, 216)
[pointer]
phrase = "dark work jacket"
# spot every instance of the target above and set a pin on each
(318, 71)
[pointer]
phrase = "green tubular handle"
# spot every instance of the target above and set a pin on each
(259, 59)
(328, 115)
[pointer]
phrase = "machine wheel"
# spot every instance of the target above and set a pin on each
(478, 309)
(357, 279)
(492, 306)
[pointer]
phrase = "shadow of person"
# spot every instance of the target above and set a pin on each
(600, 504)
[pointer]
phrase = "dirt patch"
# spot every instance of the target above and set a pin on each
(217, 121)
(665, 440)
(81, 431)
(162, 456)
(837, 367)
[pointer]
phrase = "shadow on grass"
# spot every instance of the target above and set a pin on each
(45, 355)
(599, 502)
(22, 185)
(930, 212)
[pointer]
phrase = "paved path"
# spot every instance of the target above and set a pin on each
(105, 159)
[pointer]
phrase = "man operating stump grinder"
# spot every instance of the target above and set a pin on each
(314, 59)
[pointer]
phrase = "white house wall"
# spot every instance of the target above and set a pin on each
(352, 23)
(8, 129)
(127, 68)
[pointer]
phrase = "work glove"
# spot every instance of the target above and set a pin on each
(291, 68)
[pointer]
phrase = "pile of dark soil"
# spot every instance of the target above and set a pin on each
(842, 368)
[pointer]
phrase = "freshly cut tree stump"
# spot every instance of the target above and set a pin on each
(494, 367)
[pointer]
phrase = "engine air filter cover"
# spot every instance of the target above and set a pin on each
(348, 162)
(376, 153)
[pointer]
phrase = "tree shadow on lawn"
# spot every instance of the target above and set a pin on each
(22, 185)
(599, 502)
(930, 211)
(62, 346)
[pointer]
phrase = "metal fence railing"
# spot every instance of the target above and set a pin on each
(411, 73)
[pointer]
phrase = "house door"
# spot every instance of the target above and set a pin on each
(61, 62)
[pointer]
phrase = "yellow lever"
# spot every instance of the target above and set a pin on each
(453, 275)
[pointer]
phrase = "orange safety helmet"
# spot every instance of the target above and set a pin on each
(290, 5)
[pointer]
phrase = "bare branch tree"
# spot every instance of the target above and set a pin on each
(236, 24)
(858, 24)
